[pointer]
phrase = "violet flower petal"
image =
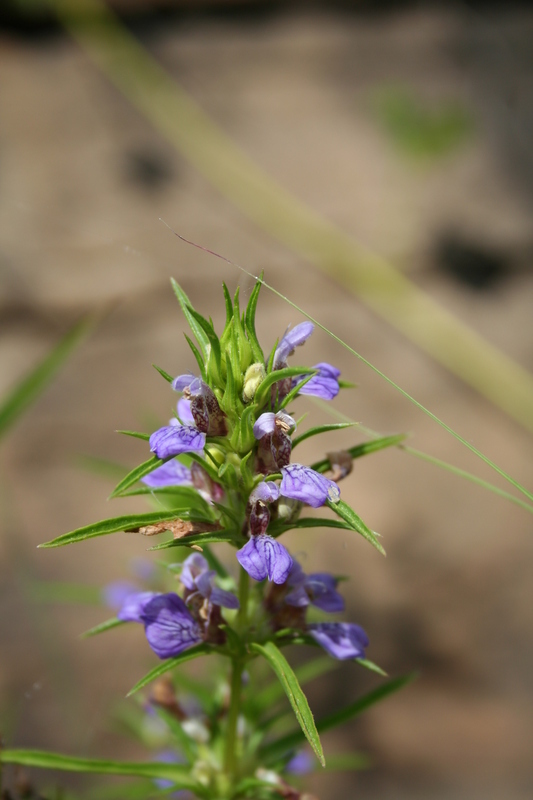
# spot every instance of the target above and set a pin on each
(169, 626)
(193, 566)
(266, 491)
(115, 594)
(298, 597)
(265, 424)
(172, 440)
(219, 597)
(324, 385)
(301, 763)
(133, 606)
(264, 557)
(292, 339)
(170, 474)
(342, 640)
(184, 411)
(304, 484)
(183, 382)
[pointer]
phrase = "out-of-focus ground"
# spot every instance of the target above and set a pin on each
(83, 183)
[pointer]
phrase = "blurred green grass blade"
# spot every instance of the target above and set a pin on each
(260, 198)
(294, 693)
(35, 382)
(102, 627)
(271, 752)
(65, 593)
(336, 426)
(348, 762)
(114, 525)
(367, 664)
(170, 663)
(37, 758)
(199, 539)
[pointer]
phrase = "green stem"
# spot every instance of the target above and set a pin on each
(238, 662)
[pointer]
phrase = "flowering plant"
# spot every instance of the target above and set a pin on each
(222, 471)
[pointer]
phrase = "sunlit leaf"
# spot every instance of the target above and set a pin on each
(346, 513)
(171, 663)
(336, 426)
(136, 474)
(296, 697)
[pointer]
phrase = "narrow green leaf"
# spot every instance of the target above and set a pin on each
(363, 449)
(180, 774)
(144, 436)
(198, 356)
(136, 474)
(204, 462)
(163, 374)
(229, 304)
(249, 322)
(214, 354)
(270, 753)
(307, 522)
(200, 539)
(114, 525)
(27, 390)
(367, 664)
(296, 697)
(102, 627)
(346, 513)
(295, 391)
(266, 698)
(187, 308)
(170, 663)
(335, 426)
(279, 375)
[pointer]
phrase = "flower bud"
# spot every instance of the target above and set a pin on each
(255, 375)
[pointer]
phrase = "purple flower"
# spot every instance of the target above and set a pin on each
(268, 422)
(266, 491)
(304, 484)
(264, 557)
(169, 757)
(302, 763)
(172, 440)
(319, 589)
(198, 578)
(133, 606)
(169, 626)
(204, 408)
(324, 385)
(115, 594)
(184, 411)
(341, 640)
(292, 339)
(170, 474)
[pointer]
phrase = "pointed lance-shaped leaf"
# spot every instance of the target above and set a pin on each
(180, 774)
(249, 321)
(273, 751)
(170, 663)
(197, 355)
(358, 450)
(201, 539)
(197, 329)
(345, 512)
(136, 474)
(336, 426)
(296, 697)
(102, 627)
(163, 374)
(277, 375)
(115, 524)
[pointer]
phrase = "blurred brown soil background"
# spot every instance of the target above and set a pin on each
(84, 181)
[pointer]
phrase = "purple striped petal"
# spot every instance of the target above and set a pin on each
(169, 626)
(264, 557)
(183, 381)
(219, 597)
(193, 566)
(172, 440)
(265, 424)
(170, 474)
(324, 385)
(341, 640)
(184, 411)
(292, 339)
(266, 491)
(304, 484)
(133, 606)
